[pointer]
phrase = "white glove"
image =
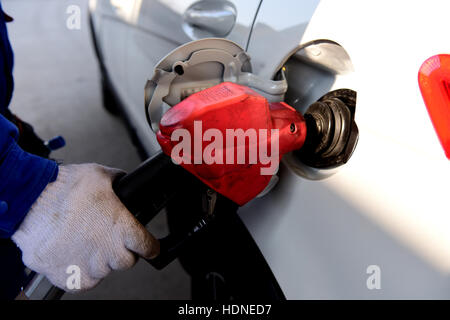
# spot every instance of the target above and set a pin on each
(79, 224)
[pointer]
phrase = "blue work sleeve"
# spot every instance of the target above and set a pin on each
(23, 177)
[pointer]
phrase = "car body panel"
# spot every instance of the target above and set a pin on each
(387, 206)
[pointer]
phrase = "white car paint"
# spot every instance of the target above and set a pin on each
(388, 205)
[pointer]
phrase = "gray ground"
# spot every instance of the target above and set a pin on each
(58, 91)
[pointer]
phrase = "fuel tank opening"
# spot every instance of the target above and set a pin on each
(332, 133)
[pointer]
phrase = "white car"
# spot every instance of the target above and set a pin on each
(375, 226)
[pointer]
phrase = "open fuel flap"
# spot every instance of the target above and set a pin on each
(199, 65)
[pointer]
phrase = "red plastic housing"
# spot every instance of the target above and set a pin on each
(434, 83)
(223, 107)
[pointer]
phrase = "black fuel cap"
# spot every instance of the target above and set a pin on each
(332, 133)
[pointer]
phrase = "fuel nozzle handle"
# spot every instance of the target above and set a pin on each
(147, 190)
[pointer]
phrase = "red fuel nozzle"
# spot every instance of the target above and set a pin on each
(231, 138)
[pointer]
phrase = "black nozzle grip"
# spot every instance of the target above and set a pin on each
(147, 190)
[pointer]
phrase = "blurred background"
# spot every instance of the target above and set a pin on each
(57, 90)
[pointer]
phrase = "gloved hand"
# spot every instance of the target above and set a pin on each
(79, 221)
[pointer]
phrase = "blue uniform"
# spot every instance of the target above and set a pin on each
(23, 176)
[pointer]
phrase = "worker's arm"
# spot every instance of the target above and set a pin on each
(65, 217)
(23, 177)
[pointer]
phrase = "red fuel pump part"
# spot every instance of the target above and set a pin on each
(241, 121)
